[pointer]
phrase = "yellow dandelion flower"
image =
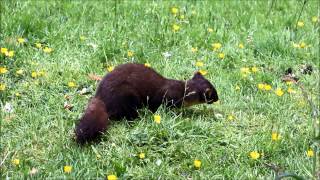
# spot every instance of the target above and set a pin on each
(72, 84)
(289, 83)
(10, 53)
(34, 74)
(4, 50)
(197, 164)
(216, 46)
(210, 30)
(261, 86)
(82, 38)
(291, 91)
(295, 45)
(157, 119)
(112, 177)
(174, 10)
(3, 70)
(194, 50)
(275, 136)
(267, 87)
(203, 72)
(244, 75)
(2, 87)
(300, 23)
(47, 50)
(38, 45)
(17, 94)
(175, 28)
(315, 19)
(130, 53)
(237, 88)
(254, 69)
(230, 117)
(279, 92)
(67, 169)
(199, 64)
(110, 68)
(142, 155)
(34, 63)
(98, 156)
(19, 72)
(16, 162)
(310, 153)
(254, 155)
(41, 73)
(147, 65)
(221, 55)
(303, 45)
(21, 40)
(245, 70)
(241, 46)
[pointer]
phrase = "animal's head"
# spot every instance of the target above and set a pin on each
(199, 90)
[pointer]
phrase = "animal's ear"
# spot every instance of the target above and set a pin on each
(197, 74)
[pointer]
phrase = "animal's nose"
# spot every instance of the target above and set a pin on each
(214, 98)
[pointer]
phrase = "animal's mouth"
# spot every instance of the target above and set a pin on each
(210, 102)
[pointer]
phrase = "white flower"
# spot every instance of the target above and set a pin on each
(83, 91)
(158, 162)
(67, 106)
(219, 116)
(166, 55)
(33, 171)
(8, 108)
(93, 45)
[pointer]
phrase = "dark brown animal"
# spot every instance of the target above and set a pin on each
(130, 87)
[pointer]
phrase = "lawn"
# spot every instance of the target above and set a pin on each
(261, 128)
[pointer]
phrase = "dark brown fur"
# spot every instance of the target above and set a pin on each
(132, 86)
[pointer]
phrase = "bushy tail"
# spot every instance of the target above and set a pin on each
(94, 121)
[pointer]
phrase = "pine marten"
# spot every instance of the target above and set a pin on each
(130, 87)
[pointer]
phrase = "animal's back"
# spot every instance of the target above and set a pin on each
(128, 86)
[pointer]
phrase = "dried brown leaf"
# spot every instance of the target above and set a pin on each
(95, 77)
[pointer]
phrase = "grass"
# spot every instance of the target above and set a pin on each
(40, 132)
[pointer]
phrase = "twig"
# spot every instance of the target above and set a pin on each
(280, 173)
(274, 167)
(304, 4)
(312, 105)
(314, 114)
(5, 157)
